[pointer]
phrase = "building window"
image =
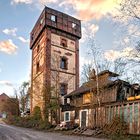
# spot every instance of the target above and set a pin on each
(63, 63)
(63, 42)
(63, 89)
(38, 48)
(53, 18)
(86, 98)
(67, 116)
(41, 21)
(73, 25)
(37, 67)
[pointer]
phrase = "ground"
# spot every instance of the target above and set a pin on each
(16, 133)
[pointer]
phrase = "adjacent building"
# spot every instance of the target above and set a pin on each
(116, 98)
(54, 42)
(8, 106)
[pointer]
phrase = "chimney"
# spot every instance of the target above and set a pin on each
(92, 74)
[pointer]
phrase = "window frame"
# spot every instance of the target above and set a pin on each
(37, 67)
(65, 116)
(74, 25)
(65, 61)
(38, 48)
(53, 18)
(64, 42)
(65, 85)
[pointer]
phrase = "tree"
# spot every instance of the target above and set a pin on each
(24, 96)
(129, 14)
(129, 10)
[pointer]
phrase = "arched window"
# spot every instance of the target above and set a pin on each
(63, 63)
(63, 42)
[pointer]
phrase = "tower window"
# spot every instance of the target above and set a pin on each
(63, 63)
(53, 18)
(73, 25)
(63, 42)
(37, 67)
(41, 21)
(32, 36)
(63, 89)
(38, 48)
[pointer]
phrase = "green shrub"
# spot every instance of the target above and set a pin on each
(34, 121)
(37, 113)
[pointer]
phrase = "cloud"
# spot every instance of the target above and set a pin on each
(8, 47)
(23, 39)
(46, 1)
(134, 30)
(85, 10)
(89, 30)
(92, 9)
(7, 87)
(10, 31)
(38, 3)
(128, 52)
(21, 1)
(6, 83)
(111, 55)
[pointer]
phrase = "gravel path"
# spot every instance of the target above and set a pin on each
(16, 133)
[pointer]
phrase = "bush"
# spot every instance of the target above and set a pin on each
(37, 113)
(34, 121)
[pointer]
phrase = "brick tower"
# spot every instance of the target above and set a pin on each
(54, 42)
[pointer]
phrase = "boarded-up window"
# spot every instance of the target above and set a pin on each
(63, 42)
(86, 98)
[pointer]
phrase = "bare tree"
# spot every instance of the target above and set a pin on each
(24, 96)
(130, 10)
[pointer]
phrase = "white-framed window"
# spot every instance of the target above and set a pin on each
(67, 116)
(53, 18)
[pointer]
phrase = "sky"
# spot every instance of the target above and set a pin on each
(17, 18)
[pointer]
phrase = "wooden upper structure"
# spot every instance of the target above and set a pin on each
(64, 23)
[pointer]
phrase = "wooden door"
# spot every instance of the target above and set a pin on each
(83, 118)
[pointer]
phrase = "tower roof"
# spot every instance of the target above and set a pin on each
(58, 21)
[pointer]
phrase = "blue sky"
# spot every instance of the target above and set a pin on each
(17, 18)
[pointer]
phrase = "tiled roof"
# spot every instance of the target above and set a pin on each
(86, 87)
